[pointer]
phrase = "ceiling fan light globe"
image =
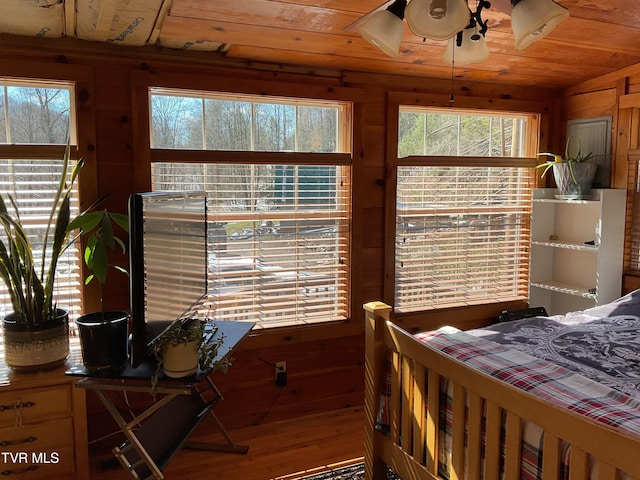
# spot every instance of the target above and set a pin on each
(384, 30)
(423, 24)
(532, 20)
(470, 51)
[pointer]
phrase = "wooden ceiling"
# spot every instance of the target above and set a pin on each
(599, 37)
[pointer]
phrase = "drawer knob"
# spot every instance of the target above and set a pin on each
(5, 443)
(30, 468)
(17, 406)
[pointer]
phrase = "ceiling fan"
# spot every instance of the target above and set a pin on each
(453, 20)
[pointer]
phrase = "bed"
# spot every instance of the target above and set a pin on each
(549, 397)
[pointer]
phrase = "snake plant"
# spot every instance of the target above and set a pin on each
(30, 283)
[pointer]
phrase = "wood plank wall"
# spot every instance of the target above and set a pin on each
(608, 95)
(324, 363)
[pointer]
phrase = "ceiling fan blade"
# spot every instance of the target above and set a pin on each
(352, 26)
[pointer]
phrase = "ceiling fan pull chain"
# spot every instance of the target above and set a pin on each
(453, 62)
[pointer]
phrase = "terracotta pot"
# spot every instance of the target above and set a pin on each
(577, 185)
(181, 360)
(36, 349)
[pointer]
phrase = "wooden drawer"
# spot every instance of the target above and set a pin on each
(34, 405)
(36, 451)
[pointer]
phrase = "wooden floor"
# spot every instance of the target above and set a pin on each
(279, 450)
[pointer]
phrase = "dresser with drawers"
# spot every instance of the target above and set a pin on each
(43, 424)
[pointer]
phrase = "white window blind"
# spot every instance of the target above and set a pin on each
(35, 123)
(278, 238)
(462, 235)
(172, 261)
(33, 183)
(632, 240)
(463, 202)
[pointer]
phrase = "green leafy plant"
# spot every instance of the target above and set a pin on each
(30, 285)
(97, 228)
(579, 157)
(185, 332)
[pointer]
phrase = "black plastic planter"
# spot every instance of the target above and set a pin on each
(103, 340)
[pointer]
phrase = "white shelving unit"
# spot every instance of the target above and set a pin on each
(571, 269)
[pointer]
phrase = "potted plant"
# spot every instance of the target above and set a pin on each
(183, 348)
(103, 334)
(573, 174)
(36, 332)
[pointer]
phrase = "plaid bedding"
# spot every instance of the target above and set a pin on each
(543, 379)
(606, 350)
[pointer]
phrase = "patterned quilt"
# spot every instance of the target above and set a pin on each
(543, 379)
(606, 350)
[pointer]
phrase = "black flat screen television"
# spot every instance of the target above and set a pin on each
(168, 263)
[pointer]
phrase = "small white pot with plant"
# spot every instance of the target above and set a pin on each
(181, 349)
(181, 360)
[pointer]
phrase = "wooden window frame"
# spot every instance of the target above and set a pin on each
(536, 110)
(52, 152)
(342, 158)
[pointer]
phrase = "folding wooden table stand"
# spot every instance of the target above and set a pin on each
(155, 435)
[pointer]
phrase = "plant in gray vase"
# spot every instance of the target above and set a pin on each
(36, 332)
(573, 173)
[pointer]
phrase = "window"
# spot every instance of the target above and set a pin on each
(632, 241)
(35, 122)
(463, 204)
(278, 188)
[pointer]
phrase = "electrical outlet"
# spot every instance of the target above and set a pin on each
(281, 374)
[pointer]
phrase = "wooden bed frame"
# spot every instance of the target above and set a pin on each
(411, 447)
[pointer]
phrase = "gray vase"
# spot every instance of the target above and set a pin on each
(38, 348)
(577, 185)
